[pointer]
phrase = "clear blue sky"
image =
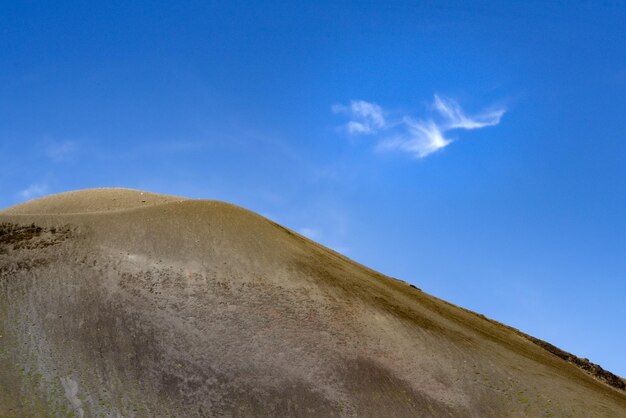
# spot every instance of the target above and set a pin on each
(477, 151)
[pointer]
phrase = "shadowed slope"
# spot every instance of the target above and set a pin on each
(117, 302)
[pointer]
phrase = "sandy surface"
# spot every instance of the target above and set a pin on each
(126, 303)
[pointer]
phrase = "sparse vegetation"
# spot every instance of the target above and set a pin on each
(200, 308)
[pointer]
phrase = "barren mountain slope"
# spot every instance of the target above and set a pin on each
(124, 303)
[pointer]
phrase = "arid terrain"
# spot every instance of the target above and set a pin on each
(116, 302)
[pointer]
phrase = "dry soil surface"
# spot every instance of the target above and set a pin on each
(116, 302)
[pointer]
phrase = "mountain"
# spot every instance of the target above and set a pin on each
(116, 302)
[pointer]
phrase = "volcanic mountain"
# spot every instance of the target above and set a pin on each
(116, 302)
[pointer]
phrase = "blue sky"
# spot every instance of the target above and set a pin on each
(477, 151)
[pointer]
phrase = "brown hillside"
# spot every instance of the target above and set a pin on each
(116, 302)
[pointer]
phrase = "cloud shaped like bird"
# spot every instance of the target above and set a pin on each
(418, 137)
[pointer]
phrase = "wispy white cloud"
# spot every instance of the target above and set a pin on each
(455, 118)
(60, 150)
(317, 236)
(421, 138)
(418, 137)
(367, 118)
(34, 190)
(311, 233)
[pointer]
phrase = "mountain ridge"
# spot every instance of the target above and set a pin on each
(218, 275)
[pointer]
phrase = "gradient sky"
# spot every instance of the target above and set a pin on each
(476, 151)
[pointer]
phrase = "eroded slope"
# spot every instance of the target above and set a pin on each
(184, 308)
